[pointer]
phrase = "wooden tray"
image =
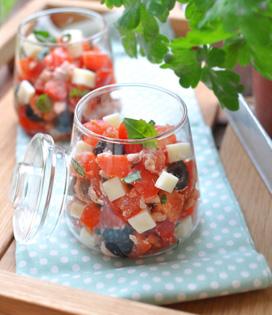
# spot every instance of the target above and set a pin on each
(24, 295)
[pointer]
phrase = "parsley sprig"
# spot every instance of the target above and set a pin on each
(222, 34)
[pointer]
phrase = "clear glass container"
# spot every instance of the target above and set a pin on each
(128, 186)
(61, 55)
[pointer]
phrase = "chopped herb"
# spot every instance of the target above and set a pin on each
(44, 36)
(66, 38)
(75, 92)
(132, 177)
(78, 168)
(140, 129)
(163, 199)
(44, 103)
(152, 122)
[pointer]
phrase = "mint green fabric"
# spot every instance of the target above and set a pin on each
(218, 259)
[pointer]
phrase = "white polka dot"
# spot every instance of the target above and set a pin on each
(197, 264)
(222, 251)
(221, 217)
(146, 287)
(203, 295)
(97, 266)
(240, 260)
(156, 279)
(33, 271)
(214, 285)
(64, 245)
(201, 254)
(253, 266)
(32, 254)
(178, 279)
(217, 238)
(166, 273)
(88, 280)
(189, 248)
(210, 269)
(188, 271)
(218, 262)
(42, 246)
(153, 268)
(75, 267)
(143, 274)
(130, 271)
(209, 245)
(22, 264)
(232, 222)
(208, 213)
(64, 259)
(53, 252)
(231, 267)
(54, 269)
(227, 209)
(169, 286)
(230, 243)
(158, 297)
(43, 261)
(237, 235)
(112, 289)
(225, 230)
(201, 277)
(257, 283)
(109, 275)
(223, 275)
(206, 233)
(85, 258)
(213, 225)
(135, 296)
(124, 290)
(175, 266)
(242, 248)
(134, 282)
(245, 274)
(192, 286)
(74, 252)
(121, 280)
(236, 284)
(197, 241)
(100, 285)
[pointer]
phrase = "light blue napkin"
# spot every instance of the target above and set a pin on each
(219, 258)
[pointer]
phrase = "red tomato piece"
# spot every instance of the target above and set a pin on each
(128, 206)
(129, 148)
(88, 161)
(30, 68)
(146, 185)
(141, 247)
(100, 127)
(56, 89)
(30, 127)
(56, 57)
(114, 165)
(154, 160)
(191, 168)
(166, 230)
(90, 216)
(173, 206)
(110, 217)
(104, 77)
(95, 60)
(168, 140)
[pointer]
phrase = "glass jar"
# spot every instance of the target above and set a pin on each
(61, 55)
(128, 186)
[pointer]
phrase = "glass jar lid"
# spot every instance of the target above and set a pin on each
(39, 188)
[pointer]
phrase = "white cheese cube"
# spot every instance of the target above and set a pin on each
(114, 189)
(178, 151)
(83, 77)
(184, 228)
(74, 39)
(82, 147)
(87, 238)
(166, 182)
(76, 208)
(142, 222)
(113, 119)
(25, 92)
(31, 46)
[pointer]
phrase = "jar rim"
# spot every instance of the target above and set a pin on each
(42, 13)
(110, 87)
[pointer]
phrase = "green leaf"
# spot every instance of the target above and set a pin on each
(160, 8)
(78, 168)
(132, 177)
(44, 103)
(44, 36)
(140, 129)
(216, 57)
(131, 17)
(129, 42)
(112, 3)
(163, 199)
(75, 92)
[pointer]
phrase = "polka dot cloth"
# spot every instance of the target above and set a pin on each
(218, 259)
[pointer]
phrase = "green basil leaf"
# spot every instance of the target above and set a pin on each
(44, 103)
(163, 199)
(132, 177)
(78, 168)
(75, 92)
(44, 36)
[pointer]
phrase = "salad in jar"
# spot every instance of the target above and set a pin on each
(52, 74)
(132, 198)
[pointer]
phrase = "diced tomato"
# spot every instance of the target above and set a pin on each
(141, 247)
(56, 89)
(113, 165)
(94, 60)
(168, 140)
(90, 216)
(100, 127)
(56, 57)
(154, 160)
(166, 230)
(128, 205)
(173, 206)
(190, 204)
(155, 241)
(129, 148)
(104, 76)
(88, 161)
(30, 127)
(191, 168)
(86, 46)
(146, 185)
(109, 219)
(30, 68)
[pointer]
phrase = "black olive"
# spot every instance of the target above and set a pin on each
(179, 169)
(115, 148)
(64, 122)
(100, 147)
(31, 115)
